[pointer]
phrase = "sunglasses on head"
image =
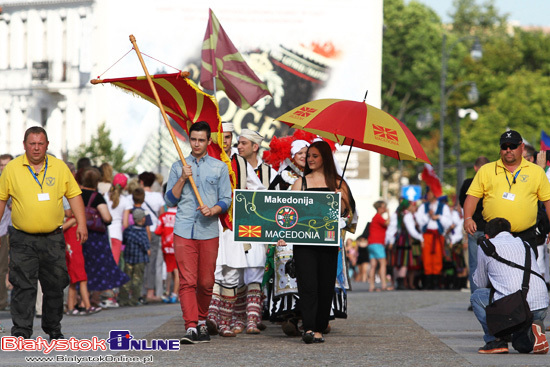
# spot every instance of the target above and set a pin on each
(509, 145)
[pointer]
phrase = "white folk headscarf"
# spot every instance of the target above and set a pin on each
(252, 135)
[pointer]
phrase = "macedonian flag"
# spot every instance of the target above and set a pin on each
(181, 98)
(222, 62)
(184, 102)
(250, 231)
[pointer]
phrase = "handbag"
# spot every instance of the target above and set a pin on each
(511, 313)
(93, 219)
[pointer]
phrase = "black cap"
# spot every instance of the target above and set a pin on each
(511, 136)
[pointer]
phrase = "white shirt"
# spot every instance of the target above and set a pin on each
(423, 216)
(456, 234)
(252, 180)
(115, 228)
(391, 231)
(232, 254)
(410, 223)
(505, 279)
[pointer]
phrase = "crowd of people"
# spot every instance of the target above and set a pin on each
(129, 241)
(419, 246)
(111, 230)
(114, 240)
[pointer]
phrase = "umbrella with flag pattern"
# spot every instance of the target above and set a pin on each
(357, 124)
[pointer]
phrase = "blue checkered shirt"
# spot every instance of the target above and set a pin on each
(137, 243)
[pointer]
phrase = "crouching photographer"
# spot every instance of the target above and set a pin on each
(510, 303)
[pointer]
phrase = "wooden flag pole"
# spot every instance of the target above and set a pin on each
(166, 121)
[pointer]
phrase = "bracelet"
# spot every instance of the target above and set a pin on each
(468, 218)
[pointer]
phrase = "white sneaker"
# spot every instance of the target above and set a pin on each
(109, 303)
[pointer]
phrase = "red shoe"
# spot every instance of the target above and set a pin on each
(541, 344)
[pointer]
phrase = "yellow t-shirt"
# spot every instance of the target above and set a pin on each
(502, 198)
(36, 209)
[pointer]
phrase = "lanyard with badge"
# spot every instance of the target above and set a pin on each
(509, 195)
(42, 196)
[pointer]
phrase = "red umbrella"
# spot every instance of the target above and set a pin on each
(357, 124)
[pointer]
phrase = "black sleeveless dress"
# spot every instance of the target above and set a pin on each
(316, 268)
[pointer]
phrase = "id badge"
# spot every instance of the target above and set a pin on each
(44, 197)
(509, 196)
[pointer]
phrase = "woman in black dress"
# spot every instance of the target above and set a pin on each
(316, 266)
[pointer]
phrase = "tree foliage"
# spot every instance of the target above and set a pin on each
(410, 54)
(513, 79)
(469, 16)
(101, 149)
(410, 67)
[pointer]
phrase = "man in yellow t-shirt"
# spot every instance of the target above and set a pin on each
(510, 188)
(37, 182)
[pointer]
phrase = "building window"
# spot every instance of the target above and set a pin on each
(43, 116)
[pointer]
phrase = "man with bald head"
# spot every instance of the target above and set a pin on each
(37, 183)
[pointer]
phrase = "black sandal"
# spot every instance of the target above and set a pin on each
(319, 340)
(308, 337)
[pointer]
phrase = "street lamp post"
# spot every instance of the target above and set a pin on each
(476, 54)
(460, 114)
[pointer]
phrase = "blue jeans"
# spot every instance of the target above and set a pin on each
(480, 300)
(472, 258)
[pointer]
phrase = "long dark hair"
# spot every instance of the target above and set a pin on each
(329, 168)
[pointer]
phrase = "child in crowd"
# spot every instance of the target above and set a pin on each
(136, 255)
(165, 229)
(75, 268)
(138, 196)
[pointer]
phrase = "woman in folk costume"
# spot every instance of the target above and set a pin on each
(407, 251)
(292, 167)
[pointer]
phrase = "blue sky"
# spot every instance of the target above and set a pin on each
(527, 12)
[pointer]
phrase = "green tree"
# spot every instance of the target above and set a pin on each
(513, 82)
(410, 70)
(410, 54)
(468, 17)
(512, 78)
(101, 149)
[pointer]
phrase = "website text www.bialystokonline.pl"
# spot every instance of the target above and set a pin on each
(90, 359)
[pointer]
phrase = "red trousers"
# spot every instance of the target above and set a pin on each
(116, 248)
(196, 261)
(432, 253)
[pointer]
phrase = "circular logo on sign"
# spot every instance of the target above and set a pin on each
(286, 217)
